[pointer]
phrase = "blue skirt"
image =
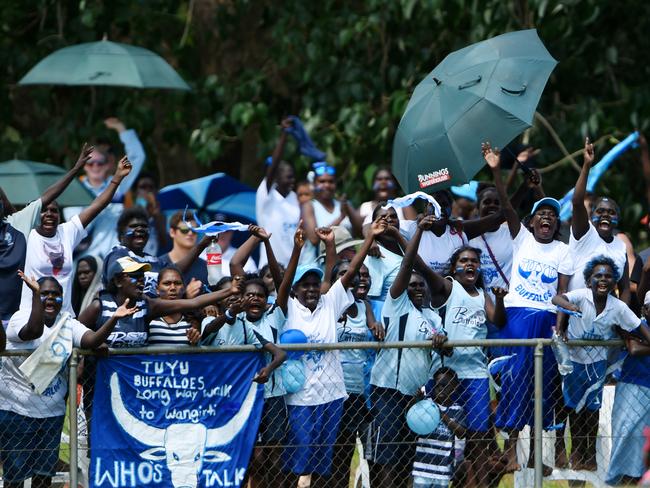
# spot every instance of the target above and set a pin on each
(516, 403)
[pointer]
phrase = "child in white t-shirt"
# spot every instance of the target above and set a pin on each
(596, 312)
(315, 411)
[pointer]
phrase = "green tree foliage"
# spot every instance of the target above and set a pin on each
(346, 68)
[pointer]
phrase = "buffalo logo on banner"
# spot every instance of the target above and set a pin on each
(175, 421)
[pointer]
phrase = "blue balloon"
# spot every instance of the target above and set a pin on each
(423, 417)
(293, 375)
(294, 336)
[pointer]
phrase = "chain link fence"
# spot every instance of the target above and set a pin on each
(515, 422)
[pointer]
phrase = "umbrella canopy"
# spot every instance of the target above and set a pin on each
(105, 63)
(488, 91)
(25, 181)
(217, 193)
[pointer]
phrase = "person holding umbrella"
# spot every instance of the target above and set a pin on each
(538, 261)
(15, 227)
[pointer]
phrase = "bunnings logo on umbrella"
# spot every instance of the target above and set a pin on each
(434, 178)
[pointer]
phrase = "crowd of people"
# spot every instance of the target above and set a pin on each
(460, 266)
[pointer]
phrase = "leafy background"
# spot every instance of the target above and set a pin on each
(347, 68)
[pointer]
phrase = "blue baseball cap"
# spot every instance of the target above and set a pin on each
(548, 202)
(304, 269)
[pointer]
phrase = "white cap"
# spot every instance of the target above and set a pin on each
(646, 300)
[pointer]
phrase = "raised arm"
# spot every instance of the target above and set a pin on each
(475, 227)
(53, 192)
(493, 160)
(282, 297)
(33, 329)
(100, 203)
(326, 235)
(272, 169)
(133, 150)
(406, 267)
(243, 253)
(580, 218)
(355, 217)
(93, 339)
(159, 307)
(377, 228)
(186, 262)
(309, 218)
(439, 287)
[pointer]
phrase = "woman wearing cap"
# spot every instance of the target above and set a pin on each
(325, 210)
(537, 263)
(315, 410)
(33, 422)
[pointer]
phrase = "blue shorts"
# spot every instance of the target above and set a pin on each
(585, 377)
(311, 437)
(273, 426)
(390, 440)
(28, 446)
(474, 397)
(516, 400)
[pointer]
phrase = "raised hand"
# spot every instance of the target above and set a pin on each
(325, 234)
(31, 282)
(124, 310)
(259, 232)
(286, 123)
(123, 168)
(378, 227)
(427, 222)
(115, 124)
(193, 336)
(491, 155)
(193, 288)
(525, 155)
(237, 284)
(499, 292)
(588, 152)
(534, 178)
(84, 156)
(299, 236)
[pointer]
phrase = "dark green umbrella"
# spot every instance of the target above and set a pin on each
(105, 63)
(488, 91)
(25, 181)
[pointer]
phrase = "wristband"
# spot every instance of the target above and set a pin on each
(229, 315)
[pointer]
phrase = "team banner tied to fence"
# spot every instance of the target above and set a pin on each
(174, 420)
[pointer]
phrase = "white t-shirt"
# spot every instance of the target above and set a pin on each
(323, 371)
(589, 246)
(383, 272)
(534, 275)
(279, 216)
(500, 243)
(406, 370)
(435, 251)
(16, 394)
(26, 219)
(52, 256)
(597, 327)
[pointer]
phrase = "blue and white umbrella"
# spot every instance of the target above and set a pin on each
(217, 193)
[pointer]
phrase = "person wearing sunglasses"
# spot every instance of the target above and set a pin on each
(98, 169)
(325, 210)
(183, 241)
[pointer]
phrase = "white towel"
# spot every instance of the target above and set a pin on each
(48, 359)
(407, 200)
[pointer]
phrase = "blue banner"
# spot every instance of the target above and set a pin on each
(179, 420)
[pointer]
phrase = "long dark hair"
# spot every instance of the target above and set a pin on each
(77, 293)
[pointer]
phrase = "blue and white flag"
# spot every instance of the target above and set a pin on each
(179, 420)
(213, 228)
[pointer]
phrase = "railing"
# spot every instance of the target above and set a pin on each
(539, 369)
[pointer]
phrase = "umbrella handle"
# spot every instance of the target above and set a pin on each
(516, 93)
(470, 83)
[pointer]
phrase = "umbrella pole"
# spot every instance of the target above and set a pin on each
(93, 103)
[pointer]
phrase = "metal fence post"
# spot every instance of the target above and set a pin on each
(72, 391)
(539, 416)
